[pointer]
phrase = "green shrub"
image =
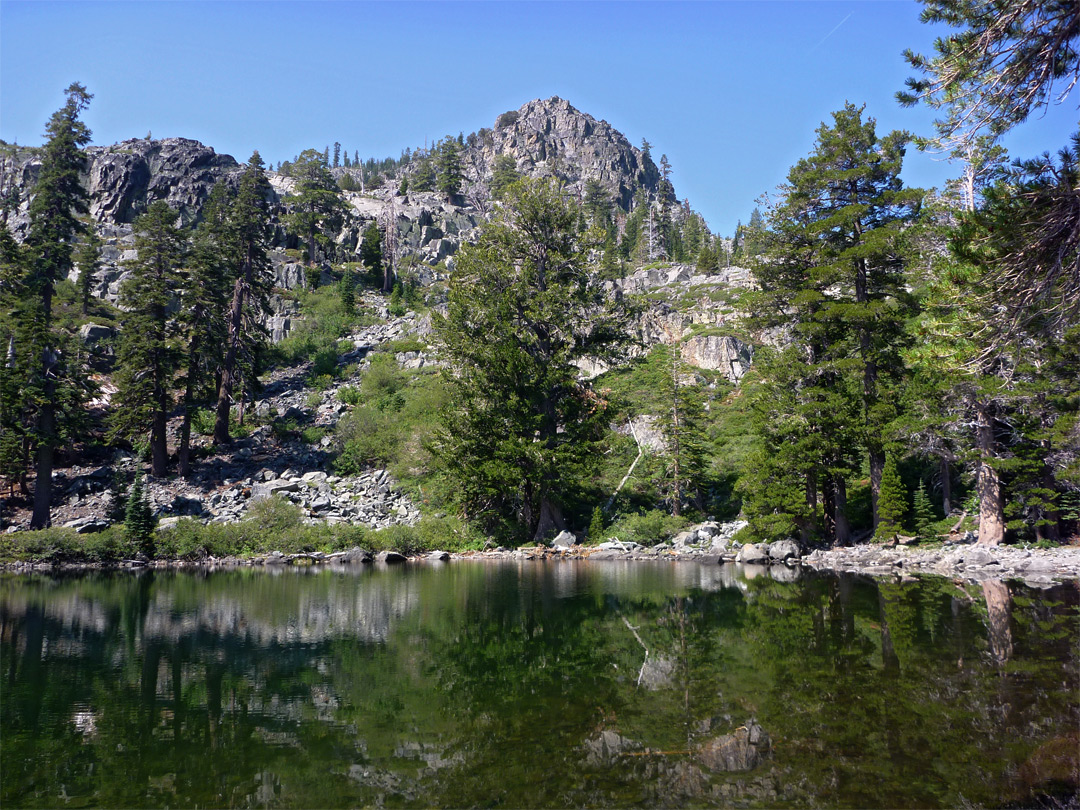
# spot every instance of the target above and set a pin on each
(313, 435)
(349, 394)
(647, 528)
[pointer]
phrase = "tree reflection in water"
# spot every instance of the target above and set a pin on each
(534, 685)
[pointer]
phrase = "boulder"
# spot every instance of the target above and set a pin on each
(751, 553)
(784, 550)
(356, 555)
(92, 333)
(743, 750)
(439, 556)
(389, 557)
(722, 353)
(564, 538)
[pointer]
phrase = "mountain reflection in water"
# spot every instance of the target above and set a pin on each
(535, 685)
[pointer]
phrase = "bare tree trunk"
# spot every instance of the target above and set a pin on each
(843, 528)
(551, 520)
(987, 482)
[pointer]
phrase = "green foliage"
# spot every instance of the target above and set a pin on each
(647, 528)
(347, 291)
(315, 207)
(892, 502)
(521, 430)
(596, 525)
(139, 521)
(349, 395)
(923, 513)
(448, 158)
(504, 175)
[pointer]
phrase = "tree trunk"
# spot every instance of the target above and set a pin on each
(987, 482)
(843, 528)
(551, 520)
(998, 609)
(946, 486)
(41, 518)
(224, 403)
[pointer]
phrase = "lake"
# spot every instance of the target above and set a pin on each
(533, 684)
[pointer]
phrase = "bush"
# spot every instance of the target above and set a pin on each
(647, 528)
(349, 394)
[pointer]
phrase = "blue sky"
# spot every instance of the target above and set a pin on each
(731, 91)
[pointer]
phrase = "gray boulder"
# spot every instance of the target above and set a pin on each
(564, 538)
(752, 553)
(389, 557)
(784, 550)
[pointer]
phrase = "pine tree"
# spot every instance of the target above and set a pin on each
(596, 526)
(316, 203)
(337, 154)
(832, 266)
(449, 167)
(521, 429)
(681, 423)
(371, 255)
(87, 258)
(347, 292)
(504, 174)
(892, 502)
(139, 522)
(247, 224)
(923, 516)
(148, 357)
(57, 201)
(203, 320)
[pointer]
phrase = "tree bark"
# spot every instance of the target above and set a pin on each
(946, 486)
(987, 482)
(224, 403)
(550, 522)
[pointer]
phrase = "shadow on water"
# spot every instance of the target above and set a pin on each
(536, 685)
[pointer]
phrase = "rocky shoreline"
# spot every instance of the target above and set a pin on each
(975, 563)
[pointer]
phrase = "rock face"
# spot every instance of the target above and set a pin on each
(722, 353)
(550, 137)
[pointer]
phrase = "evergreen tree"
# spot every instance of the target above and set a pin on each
(596, 526)
(423, 178)
(923, 516)
(15, 366)
(371, 255)
(707, 263)
(347, 292)
(87, 258)
(892, 502)
(57, 201)
(832, 266)
(139, 522)
(521, 428)
(315, 205)
(681, 423)
(148, 356)
(449, 166)
(203, 319)
(247, 226)
(504, 175)
(337, 154)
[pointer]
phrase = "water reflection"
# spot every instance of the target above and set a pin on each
(529, 684)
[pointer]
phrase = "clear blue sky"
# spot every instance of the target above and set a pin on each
(731, 91)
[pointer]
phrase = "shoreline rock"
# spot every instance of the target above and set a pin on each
(1035, 567)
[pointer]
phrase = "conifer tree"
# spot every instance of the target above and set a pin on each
(923, 512)
(316, 204)
(892, 502)
(347, 292)
(504, 175)
(87, 258)
(204, 299)
(449, 167)
(247, 224)
(371, 255)
(680, 423)
(139, 522)
(521, 428)
(148, 357)
(57, 201)
(832, 266)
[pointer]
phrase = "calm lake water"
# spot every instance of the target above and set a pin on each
(535, 685)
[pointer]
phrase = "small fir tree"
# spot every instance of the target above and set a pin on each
(86, 257)
(139, 520)
(891, 502)
(923, 512)
(596, 526)
(347, 291)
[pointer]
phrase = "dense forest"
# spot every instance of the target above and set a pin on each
(916, 353)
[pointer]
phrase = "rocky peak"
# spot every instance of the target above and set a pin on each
(549, 137)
